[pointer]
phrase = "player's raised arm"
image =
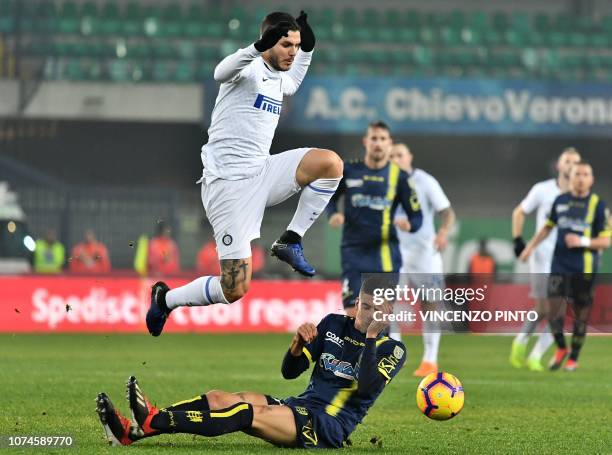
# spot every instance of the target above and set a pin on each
(298, 357)
(406, 195)
(233, 64)
(379, 363)
(295, 75)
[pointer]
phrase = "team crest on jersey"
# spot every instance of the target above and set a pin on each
(339, 368)
(398, 352)
(268, 104)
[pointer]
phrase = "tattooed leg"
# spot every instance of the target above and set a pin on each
(235, 278)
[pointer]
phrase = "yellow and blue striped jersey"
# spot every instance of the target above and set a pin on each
(336, 354)
(370, 199)
(587, 216)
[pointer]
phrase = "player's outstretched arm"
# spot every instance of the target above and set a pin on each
(296, 361)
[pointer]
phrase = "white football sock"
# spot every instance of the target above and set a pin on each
(526, 331)
(431, 342)
(545, 340)
(202, 291)
(313, 200)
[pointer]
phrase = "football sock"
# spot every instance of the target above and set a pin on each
(205, 423)
(431, 341)
(578, 336)
(202, 291)
(528, 328)
(556, 327)
(199, 403)
(545, 340)
(313, 200)
(290, 237)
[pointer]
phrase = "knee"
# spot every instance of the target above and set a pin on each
(236, 292)
(332, 165)
(215, 399)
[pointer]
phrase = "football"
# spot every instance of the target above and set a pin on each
(440, 396)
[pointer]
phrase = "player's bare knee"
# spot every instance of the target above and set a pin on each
(215, 399)
(333, 166)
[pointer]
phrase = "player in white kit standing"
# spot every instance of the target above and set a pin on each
(540, 198)
(421, 250)
(241, 178)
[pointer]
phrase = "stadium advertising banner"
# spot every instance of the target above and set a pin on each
(119, 304)
(451, 106)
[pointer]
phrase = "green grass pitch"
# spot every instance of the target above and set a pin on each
(48, 386)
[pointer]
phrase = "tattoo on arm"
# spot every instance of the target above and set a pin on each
(230, 270)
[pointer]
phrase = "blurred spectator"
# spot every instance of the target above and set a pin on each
(482, 262)
(90, 256)
(162, 253)
(49, 254)
(259, 258)
(207, 262)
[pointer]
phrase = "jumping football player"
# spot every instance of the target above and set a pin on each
(421, 258)
(241, 178)
(581, 218)
(373, 189)
(352, 366)
(540, 198)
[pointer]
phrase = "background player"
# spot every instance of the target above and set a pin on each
(420, 250)
(540, 198)
(581, 218)
(352, 366)
(240, 177)
(373, 187)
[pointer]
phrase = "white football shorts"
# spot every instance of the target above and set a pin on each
(235, 208)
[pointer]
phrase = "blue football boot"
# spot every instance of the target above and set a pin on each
(293, 254)
(158, 311)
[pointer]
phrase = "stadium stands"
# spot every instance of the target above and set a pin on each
(179, 42)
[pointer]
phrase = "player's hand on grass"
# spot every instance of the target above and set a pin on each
(271, 36)
(306, 34)
(572, 240)
(336, 220)
(306, 333)
(380, 321)
(441, 240)
(402, 224)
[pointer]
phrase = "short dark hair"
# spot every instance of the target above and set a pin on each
(583, 163)
(379, 124)
(373, 281)
(274, 18)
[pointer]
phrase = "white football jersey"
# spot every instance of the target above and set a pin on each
(432, 200)
(541, 198)
(246, 112)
